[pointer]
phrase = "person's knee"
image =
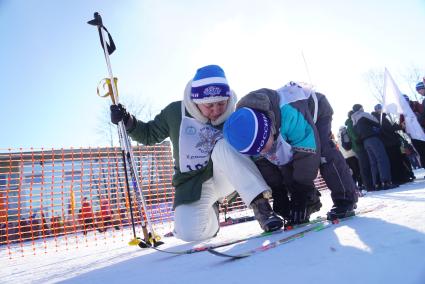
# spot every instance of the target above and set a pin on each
(192, 226)
(198, 232)
(188, 235)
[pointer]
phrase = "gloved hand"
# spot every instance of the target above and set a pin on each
(305, 200)
(298, 212)
(118, 113)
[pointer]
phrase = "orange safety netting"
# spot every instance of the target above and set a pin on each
(53, 199)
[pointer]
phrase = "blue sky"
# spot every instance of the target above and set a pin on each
(51, 61)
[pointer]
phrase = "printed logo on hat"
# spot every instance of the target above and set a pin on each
(209, 85)
(265, 136)
(247, 130)
(212, 91)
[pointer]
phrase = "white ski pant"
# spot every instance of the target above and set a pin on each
(231, 171)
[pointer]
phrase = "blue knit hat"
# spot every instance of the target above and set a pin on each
(247, 130)
(378, 107)
(209, 85)
(420, 86)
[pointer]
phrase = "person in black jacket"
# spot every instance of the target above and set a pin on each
(301, 118)
(368, 130)
(392, 143)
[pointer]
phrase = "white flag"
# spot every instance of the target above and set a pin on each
(395, 103)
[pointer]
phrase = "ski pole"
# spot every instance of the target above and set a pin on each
(135, 240)
(150, 238)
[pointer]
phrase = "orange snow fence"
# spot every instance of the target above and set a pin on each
(61, 199)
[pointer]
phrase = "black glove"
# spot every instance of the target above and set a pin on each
(298, 213)
(305, 200)
(118, 113)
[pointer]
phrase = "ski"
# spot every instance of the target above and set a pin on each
(213, 246)
(232, 221)
(229, 221)
(287, 239)
(319, 226)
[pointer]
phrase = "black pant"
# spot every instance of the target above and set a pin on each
(274, 178)
(399, 173)
(333, 168)
(353, 163)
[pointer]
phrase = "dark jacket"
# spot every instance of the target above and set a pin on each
(418, 110)
(365, 125)
(388, 133)
(324, 108)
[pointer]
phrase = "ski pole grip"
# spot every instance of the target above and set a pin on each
(97, 17)
(110, 93)
(97, 20)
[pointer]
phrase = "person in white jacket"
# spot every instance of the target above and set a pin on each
(350, 159)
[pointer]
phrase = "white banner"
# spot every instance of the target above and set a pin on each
(395, 103)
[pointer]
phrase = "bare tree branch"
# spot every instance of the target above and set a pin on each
(412, 76)
(375, 80)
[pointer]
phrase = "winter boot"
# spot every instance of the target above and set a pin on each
(264, 214)
(378, 186)
(388, 185)
(342, 209)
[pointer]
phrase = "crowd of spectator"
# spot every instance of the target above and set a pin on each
(379, 152)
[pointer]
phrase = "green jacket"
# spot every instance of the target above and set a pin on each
(165, 125)
(356, 144)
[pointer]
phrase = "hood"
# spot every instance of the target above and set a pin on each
(356, 116)
(196, 113)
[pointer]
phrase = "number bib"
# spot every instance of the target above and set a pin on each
(196, 142)
(280, 154)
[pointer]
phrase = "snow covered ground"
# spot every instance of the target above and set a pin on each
(383, 246)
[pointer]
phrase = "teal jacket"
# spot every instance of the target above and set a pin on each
(293, 121)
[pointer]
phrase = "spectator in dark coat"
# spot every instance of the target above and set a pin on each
(392, 143)
(362, 156)
(368, 129)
